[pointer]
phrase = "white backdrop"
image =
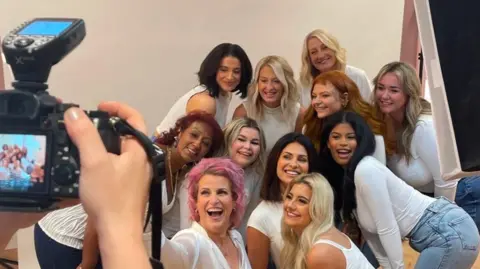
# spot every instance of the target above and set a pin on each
(147, 52)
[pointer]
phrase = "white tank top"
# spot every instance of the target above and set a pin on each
(274, 124)
(353, 256)
(179, 108)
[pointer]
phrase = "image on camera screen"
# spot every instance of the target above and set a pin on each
(22, 162)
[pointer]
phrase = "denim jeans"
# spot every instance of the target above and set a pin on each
(446, 237)
(468, 197)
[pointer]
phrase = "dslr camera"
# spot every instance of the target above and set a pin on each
(39, 164)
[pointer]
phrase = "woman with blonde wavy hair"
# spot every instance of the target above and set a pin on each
(408, 116)
(321, 53)
(308, 230)
(273, 99)
(245, 145)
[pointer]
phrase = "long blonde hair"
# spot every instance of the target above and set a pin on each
(231, 132)
(284, 72)
(308, 72)
(295, 249)
(416, 104)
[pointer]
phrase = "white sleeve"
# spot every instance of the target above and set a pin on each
(371, 184)
(380, 151)
(185, 221)
(364, 85)
(180, 252)
(424, 141)
(258, 220)
(375, 245)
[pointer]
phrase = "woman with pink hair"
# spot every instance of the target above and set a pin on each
(216, 198)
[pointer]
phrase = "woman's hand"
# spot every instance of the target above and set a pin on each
(113, 188)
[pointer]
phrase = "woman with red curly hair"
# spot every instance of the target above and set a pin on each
(216, 199)
(69, 233)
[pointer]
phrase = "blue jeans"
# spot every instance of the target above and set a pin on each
(468, 197)
(53, 255)
(446, 237)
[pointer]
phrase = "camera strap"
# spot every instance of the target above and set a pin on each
(156, 157)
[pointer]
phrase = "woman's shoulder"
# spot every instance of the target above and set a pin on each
(368, 165)
(354, 71)
(265, 209)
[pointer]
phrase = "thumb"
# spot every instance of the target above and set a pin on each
(86, 137)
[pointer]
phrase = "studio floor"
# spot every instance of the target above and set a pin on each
(409, 254)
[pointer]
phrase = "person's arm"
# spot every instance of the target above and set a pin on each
(183, 251)
(371, 184)
(325, 256)
(90, 251)
(239, 112)
(121, 245)
(299, 121)
(258, 248)
(365, 87)
(425, 143)
(201, 101)
(380, 152)
(375, 245)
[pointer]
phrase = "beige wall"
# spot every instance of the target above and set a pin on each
(146, 52)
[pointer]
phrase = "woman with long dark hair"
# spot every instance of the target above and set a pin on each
(388, 209)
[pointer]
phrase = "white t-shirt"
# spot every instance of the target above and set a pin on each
(193, 249)
(267, 219)
(387, 210)
(179, 109)
(358, 75)
(423, 170)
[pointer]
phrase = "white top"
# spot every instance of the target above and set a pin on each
(380, 152)
(193, 249)
(358, 75)
(387, 210)
(423, 170)
(267, 219)
(66, 226)
(176, 215)
(253, 186)
(179, 109)
(353, 256)
(274, 124)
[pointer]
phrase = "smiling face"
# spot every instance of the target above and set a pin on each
(195, 141)
(325, 100)
(389, 94)
(342, 143)
(215, 203)
(229, 74)
(269, 87)
(296, 207)
(321, 57)
(246, 147)
(293, 161)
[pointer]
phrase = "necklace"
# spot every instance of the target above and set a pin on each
(171, 178)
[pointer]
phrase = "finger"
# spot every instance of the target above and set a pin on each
(126, 112)
(86, 137)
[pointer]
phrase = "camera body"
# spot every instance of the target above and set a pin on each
(38, 162)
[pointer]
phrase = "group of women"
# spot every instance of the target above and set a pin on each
(331, 171)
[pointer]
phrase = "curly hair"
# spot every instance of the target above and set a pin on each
(168, 137)
(220, 167)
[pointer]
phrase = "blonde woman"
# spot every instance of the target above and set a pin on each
(308, 231)
(398, 99)
(273, 100)
(245, 145)
(321, 53)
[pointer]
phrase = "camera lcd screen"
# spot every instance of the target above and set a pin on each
(22, 163)
(45, 28)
